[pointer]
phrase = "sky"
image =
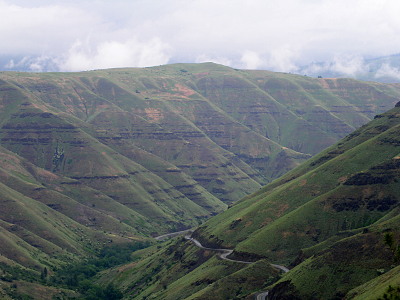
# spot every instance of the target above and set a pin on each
(283, 35)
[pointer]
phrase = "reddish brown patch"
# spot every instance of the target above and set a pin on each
(203, 74)
(249, 223)
(286, 234)
(328, 82)
(153, 114)
(47, 174)
(303, 182)
(184, 90)
(368, 191)
(281, 209)
(266, 221)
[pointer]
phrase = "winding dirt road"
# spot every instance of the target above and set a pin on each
(223, 254)
(282, 268)
(226, 252)
(262, 295)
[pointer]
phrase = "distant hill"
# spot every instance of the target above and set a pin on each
(377, 69)
(334, 221)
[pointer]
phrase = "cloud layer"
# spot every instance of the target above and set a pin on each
(277, 35)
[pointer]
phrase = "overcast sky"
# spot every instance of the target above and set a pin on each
(278, 35)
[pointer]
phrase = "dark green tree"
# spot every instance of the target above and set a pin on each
(44, 273)
(389, 239)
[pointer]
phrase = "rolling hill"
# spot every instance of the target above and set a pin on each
(112, 156)
(334, 221)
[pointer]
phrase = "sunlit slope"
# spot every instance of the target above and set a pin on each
(350, 185)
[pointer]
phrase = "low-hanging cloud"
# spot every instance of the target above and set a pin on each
(388, 71)
(341, 64)
(282, 36)
(251, 60)
(114, 54)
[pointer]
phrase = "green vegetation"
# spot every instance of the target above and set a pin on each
(180, 270)
(334, 220)
(73, 275)
(112, 156)
(391, 293)
(394, 245)
(77, 276)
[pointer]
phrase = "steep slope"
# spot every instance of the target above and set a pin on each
(37, 211)
(326, 219)
(331, 269)
(57, 144)
(130, 153)
(388, 283)
(218, 125)
(321, 189)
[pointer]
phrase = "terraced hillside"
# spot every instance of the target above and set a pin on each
(334, 221)
(230, 131)
(105, 156)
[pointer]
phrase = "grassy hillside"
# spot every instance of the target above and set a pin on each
(362, 260)
(327, 220)
(321, 188)
(111, 156)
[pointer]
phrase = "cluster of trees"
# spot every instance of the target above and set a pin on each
(79, 276)
(391, 294)
(390, 241)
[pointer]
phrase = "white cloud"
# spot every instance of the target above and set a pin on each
(35, 64)
(280, 34)
(388, 71)
(41, 63)
(350, 65)
(283, 59)
(42, 30)
(10, 65)
(251, 60)
(113, 54)
(344, 64)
